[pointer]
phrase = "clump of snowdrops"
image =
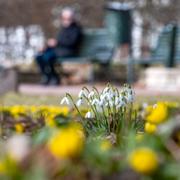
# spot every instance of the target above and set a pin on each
(110, 110)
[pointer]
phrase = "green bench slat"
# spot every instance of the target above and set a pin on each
(160, 53)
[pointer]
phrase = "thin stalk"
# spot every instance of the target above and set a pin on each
(68, 95)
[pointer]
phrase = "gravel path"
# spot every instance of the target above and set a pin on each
(31, 89)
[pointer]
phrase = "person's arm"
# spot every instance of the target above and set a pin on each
(51, 42)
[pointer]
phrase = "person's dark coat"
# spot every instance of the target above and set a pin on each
(69, 40)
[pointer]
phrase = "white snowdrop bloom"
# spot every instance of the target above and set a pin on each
(116, 100)
(116, 93)
(106, 105)
(91, 94)
(106, 90)
(95, 102)
(130, 97)
(121, 104)
(111, 104)
(65, 100)
(103, 97)
(122, 101)
(79, 102)
(109, 97)
(101, 103)
(89, 115)
(18, 147)
(82, 93)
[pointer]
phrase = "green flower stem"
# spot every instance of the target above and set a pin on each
(68, 95)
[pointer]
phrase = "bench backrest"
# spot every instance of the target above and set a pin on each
(96, 44)
(163, 47)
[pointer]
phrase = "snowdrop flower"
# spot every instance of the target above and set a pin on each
(120, 104)
(79, 102)
(101, 103)
(116, 93)
(103, 97)
(89, 115)
(107, 104)
(65, 100)
(91, 94)
(109, 96)
(106, 90)
(82, 93)
(111, 104)
(130, 97)
(95, 102)
(116, 100)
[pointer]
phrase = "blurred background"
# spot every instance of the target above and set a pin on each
(26, 24)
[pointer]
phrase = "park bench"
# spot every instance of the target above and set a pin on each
(167, 49)
(96, 48)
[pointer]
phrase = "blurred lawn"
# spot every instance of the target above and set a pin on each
(13, 98)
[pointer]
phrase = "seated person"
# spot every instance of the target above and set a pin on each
(66, 45)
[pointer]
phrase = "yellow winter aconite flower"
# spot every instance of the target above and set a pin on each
(150, 128)
(143, 160)
(19, 128)
(68, 142)
(33, 109)
(17, 110)
(158, 114)
(149, 109)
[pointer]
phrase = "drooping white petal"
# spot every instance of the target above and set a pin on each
(81, 93)
(116, 100)
(65, 100)
(106, 89)
(89, 115)
(95, 102)
(91, 94)
(130, 96)
(79, 102)
(101, 103)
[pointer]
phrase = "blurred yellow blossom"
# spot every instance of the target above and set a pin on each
(68, 142)
(19, 128)
(150, 128)
(2, 167)
(17, 110)
(143, 160)
(158, 114)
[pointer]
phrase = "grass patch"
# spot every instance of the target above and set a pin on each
(20, 99)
